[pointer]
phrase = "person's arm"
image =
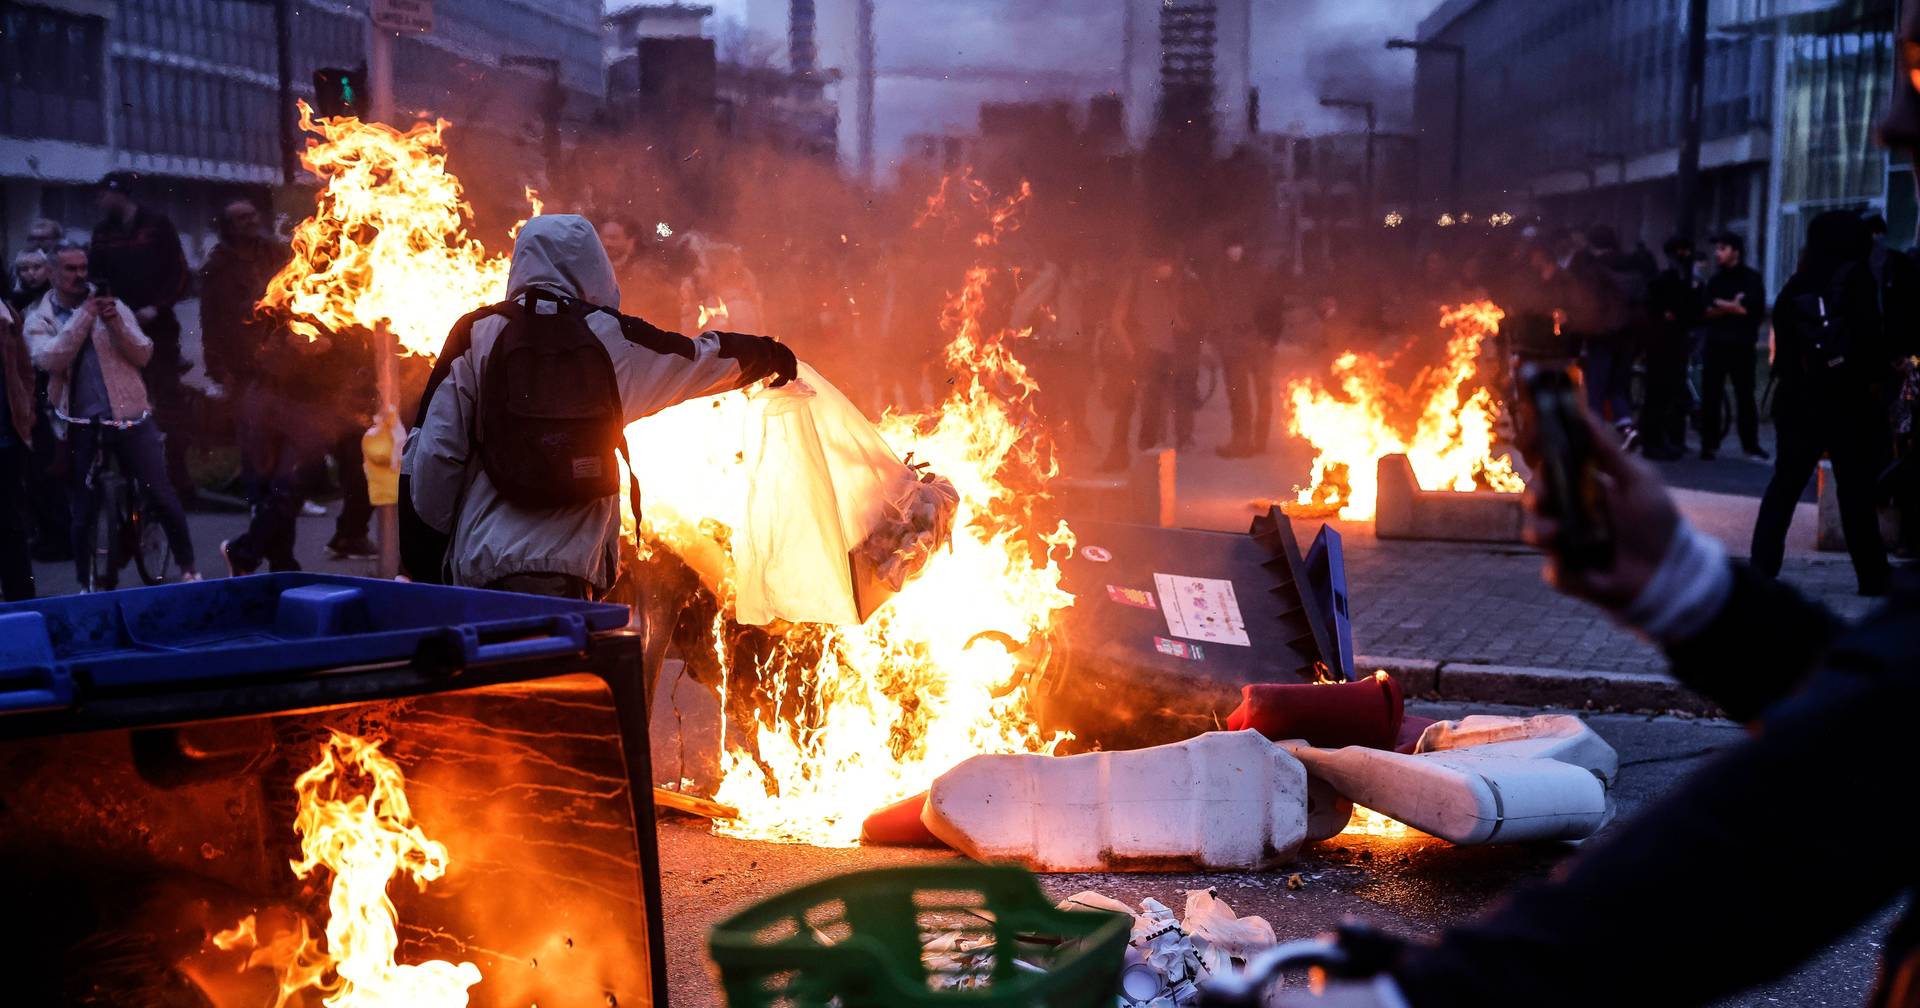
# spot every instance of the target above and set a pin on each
(657, 369)
(53, 350)
(437, 455)
(1686, 902)
(174, 277)
(128, 340)
(1675, 585)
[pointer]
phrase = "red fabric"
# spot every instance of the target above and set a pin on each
(1365, 713)
(899, 825)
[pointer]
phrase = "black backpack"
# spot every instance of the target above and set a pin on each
(423, 549)
(549, 421)
(1822, 332)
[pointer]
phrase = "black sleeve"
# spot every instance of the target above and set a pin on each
(1699, 896)
(759, 357)
(173, 279)
(1759, 649)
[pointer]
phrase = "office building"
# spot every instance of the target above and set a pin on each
(187, 92)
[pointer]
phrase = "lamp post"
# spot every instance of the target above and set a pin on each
(1459, 54)
(1367, 108)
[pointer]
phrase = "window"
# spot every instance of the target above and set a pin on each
(51, 63)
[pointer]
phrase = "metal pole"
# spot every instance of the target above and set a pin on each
(1459, 126)
(1373, 200)
(1691, 112)
(380, 109)
(283, 43)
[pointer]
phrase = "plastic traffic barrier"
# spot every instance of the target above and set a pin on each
(1223, 800)
(899, 825)
(1364, 713)
(1560, 737)
(1468, 796)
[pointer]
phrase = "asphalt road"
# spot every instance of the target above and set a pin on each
(1406, 885)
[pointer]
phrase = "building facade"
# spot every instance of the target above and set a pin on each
(187, 92)
(1189, 63)
(1573, 109)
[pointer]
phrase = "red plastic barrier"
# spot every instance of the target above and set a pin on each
(1411, 728)
(898, 825)
(1364, 713)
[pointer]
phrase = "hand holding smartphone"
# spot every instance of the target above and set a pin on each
(1566, 471)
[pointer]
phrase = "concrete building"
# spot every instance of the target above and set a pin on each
(830, 42)
(1189, 62)
(663, 67)
(1573, 109)
(187, 92)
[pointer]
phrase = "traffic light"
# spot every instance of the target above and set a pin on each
(338, 92)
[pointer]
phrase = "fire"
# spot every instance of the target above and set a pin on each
(354, 821)
(1367, 822)
(712, 313)
(866, 715)
(1443, 421)
(388, 241)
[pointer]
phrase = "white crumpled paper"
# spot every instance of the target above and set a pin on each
(1167, 959)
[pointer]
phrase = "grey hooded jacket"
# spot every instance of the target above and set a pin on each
(492, 538)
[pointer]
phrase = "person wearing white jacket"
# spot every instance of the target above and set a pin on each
(564, 551)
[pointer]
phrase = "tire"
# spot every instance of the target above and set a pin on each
(109, 534)
(152, 554)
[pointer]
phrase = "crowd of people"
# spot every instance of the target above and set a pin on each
(1124, 341)
(94, 369)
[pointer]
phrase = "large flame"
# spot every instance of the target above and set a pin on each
(354, 821)
(1443, 421)
(865, 715)
(388, 242)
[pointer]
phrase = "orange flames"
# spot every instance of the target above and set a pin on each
(354, 821)
(388, 242)
(1443, 421)
(872, 713)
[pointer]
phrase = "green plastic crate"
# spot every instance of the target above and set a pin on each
(859, 941)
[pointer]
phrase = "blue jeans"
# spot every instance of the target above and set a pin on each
(141, 451)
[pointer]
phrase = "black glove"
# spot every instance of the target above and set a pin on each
(759, 356)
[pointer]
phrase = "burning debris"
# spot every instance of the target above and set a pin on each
(388, 243)
(355, 822)
(1443, 421)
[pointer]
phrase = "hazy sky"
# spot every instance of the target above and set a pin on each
(1301, 48)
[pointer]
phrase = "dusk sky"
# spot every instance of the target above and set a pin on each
(1300, 48)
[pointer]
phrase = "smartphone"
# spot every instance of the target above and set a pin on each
(1566, 476)
(102, 289)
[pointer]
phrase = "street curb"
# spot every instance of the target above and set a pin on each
(1540, 687)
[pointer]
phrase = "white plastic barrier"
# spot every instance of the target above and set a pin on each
(1560, 737)
(1222, 800)
(1467, 796)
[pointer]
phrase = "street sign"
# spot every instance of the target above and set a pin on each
(403, 15)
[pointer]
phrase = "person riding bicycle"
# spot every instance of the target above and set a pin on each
(92, 349)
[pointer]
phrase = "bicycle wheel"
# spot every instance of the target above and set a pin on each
(109, 533)
(152, 553)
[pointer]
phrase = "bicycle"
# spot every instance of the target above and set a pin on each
(123, 527)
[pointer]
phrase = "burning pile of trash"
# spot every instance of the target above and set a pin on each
(1443, 420)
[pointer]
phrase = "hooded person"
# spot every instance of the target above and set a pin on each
(572, 550)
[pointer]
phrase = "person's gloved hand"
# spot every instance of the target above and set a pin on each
(1644, 520)
(759, 357)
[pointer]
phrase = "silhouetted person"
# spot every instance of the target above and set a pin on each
(1676, 304)
(1736, 303)
(136, 251)
(1832, 366)
(1246, 325)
